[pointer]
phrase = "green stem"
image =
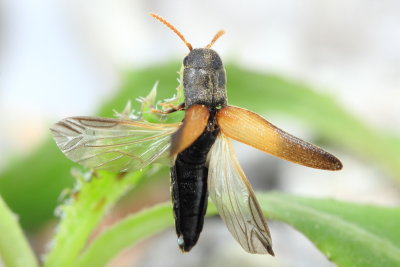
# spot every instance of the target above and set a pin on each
(84, 213)
(14, 248)
(133, 229)
(129, 232)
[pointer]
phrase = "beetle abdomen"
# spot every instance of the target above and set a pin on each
(189, 189)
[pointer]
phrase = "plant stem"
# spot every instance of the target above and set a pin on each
(14, 248)
(128, 232)
(133, 229)
(80, 217)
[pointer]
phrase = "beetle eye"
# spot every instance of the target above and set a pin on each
(185, 61)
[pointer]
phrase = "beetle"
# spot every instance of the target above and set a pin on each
(203, 159)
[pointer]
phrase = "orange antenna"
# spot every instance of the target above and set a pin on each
(169, 25)
(216, 37)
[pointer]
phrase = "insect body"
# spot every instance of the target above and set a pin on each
(204, 162)
(204, 88)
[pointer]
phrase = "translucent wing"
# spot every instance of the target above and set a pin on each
(112, 144)
(235, 200)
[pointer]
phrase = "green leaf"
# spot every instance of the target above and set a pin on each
(14, 248)
(348, 234)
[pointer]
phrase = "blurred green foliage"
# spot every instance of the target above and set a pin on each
(31, 186)
(347, 234)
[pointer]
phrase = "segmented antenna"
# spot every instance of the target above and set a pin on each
(216, 37)
(169, 25)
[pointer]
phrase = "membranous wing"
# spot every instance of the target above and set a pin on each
(112, 144)
(235, 200)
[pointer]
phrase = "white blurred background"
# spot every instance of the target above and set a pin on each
(64, 57)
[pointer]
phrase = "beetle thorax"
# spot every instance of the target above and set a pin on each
(204, 78)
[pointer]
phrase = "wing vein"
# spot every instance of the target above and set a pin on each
(235, 199)
(113, 144)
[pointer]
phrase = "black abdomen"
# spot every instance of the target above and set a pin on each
(189, 189)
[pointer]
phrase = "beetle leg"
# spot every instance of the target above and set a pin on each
(172, 109)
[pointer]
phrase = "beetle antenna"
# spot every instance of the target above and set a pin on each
(169, 25)
(216, 37)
